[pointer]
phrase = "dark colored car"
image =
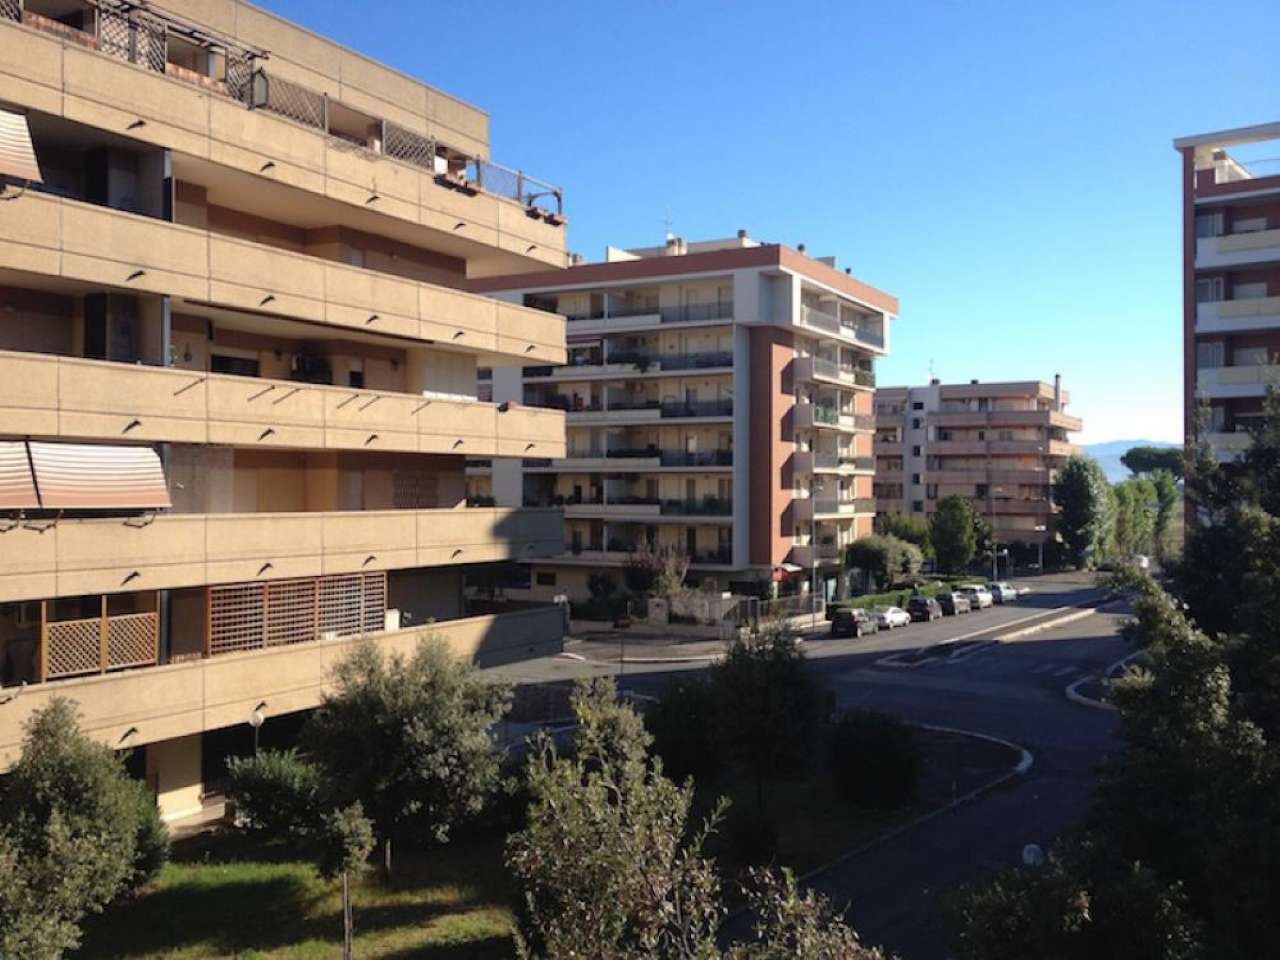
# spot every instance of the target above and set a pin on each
(852, 622)
(924, 609)
(953, 603)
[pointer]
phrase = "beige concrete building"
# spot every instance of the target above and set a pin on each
(718, 397)
(238, 371)
(997, 444)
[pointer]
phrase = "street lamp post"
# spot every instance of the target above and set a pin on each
(256, 720)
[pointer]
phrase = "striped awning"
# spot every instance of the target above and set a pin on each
(17, 155)
(87, 476)
(17, 489)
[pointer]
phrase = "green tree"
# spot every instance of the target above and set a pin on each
(886, 559)
(1145, 461)
(608, 861)
(768, 708)
(1137, 507)
(1086, 509)
(409, 739)
(346, 840)
(75, 833)
(612, 865)
(952, 530)
(1166, 489)
(276, 792)
(907, 527)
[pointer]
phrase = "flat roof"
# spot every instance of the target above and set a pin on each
(652, 268)
(1223, 138)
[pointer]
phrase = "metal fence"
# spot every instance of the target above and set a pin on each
(294, 102)
(400, 143)
(694, 312)
(516, 185)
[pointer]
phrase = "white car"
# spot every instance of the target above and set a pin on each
(890, 617)
(979, 597)
(1004, 592)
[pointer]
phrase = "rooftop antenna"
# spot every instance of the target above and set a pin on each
(667, 224)
(931, 369)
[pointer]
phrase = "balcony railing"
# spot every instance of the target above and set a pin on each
(74, 648)
(673, 361)
(698, 408)
(695, 312)
(721, 556)
(706, 507)
(619, 312)
(697, 458)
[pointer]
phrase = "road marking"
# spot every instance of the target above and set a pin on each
(1064, 671)
(1042, 668)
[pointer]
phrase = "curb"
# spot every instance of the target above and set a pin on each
(1072, 694)
(1024, 764)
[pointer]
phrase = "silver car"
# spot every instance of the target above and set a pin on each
(979, 597)
(890, 617)
(1004, 592)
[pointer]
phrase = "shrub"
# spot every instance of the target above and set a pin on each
(875, 760)
(276, 792)
(886, 558)
(682, 723)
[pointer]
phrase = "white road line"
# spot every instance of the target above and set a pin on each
(1042, 668)
(1064, 671)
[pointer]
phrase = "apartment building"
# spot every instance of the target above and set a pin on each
(238, 372)
(1231, 280)
(718, 400)
(997, 444)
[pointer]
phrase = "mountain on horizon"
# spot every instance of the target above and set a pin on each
(1108, 455)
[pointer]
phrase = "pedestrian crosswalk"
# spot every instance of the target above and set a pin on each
(996, 659)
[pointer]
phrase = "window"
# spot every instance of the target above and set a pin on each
(981, 491)
(915, 478)
(915, 423)
(931, 491)
(1209, 225)
(917, 405)
(982, 434)
(239, 366)
(944, 434)
(1210, 355)
(1248, 225)
(915, 450)
(917, 506)
(1248, 291)
(355, 378)
(1248, 356)
(545, 579)
(1208, 290)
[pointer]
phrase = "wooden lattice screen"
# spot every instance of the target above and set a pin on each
(76, 647)
(249, 616)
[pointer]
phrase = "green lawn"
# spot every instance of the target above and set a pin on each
(227, 896)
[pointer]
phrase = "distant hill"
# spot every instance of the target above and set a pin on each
(1108, 455)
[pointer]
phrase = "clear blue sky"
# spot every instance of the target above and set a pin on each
(1005, 169)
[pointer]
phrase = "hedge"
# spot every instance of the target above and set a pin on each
(899, 598)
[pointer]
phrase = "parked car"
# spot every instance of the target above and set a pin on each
(979, 596)
(953, 603)
(852, 622)
(1004, 592)
(890, 617)
(925, 609)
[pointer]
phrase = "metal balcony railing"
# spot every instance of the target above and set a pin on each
(706, 507)
(698, 408)
(698, 458)
(695, 312)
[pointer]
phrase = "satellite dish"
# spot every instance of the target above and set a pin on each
(1032, 855)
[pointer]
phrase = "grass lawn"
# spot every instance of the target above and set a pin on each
(225, 895)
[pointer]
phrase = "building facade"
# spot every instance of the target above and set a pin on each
(1231, 281)
(999, 445)
(238, 372)
(718, 398)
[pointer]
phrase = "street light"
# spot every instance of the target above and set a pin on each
(256, 720)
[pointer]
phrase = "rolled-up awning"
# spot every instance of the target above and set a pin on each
(87, 476)
(17, 489)
(17, 155)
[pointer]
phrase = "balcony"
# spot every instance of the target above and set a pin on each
(829, 461)
(830, 325)
(207, 693)
(821, 416)
(1237, 249)
(1005, 418)
(811, 554)
(82, 241)
(503, 215)
(1013, 506)
(1228, 316)
(64, 558)
(1227, 446)
(1249, 380)
(50, 396)
(822, 370)
(823, 507)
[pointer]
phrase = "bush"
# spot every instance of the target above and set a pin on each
(276, 792)
(682, 723)
(152, 845)
(875, 760)
(886, 558)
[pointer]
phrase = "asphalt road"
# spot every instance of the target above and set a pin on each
(1011, 690)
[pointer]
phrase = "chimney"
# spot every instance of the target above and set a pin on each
(742, 234)
(848, 271)
(576, 259)
(800, 248)
(973, 382)
(935, 382)
(673, 246)
(1057, 391)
